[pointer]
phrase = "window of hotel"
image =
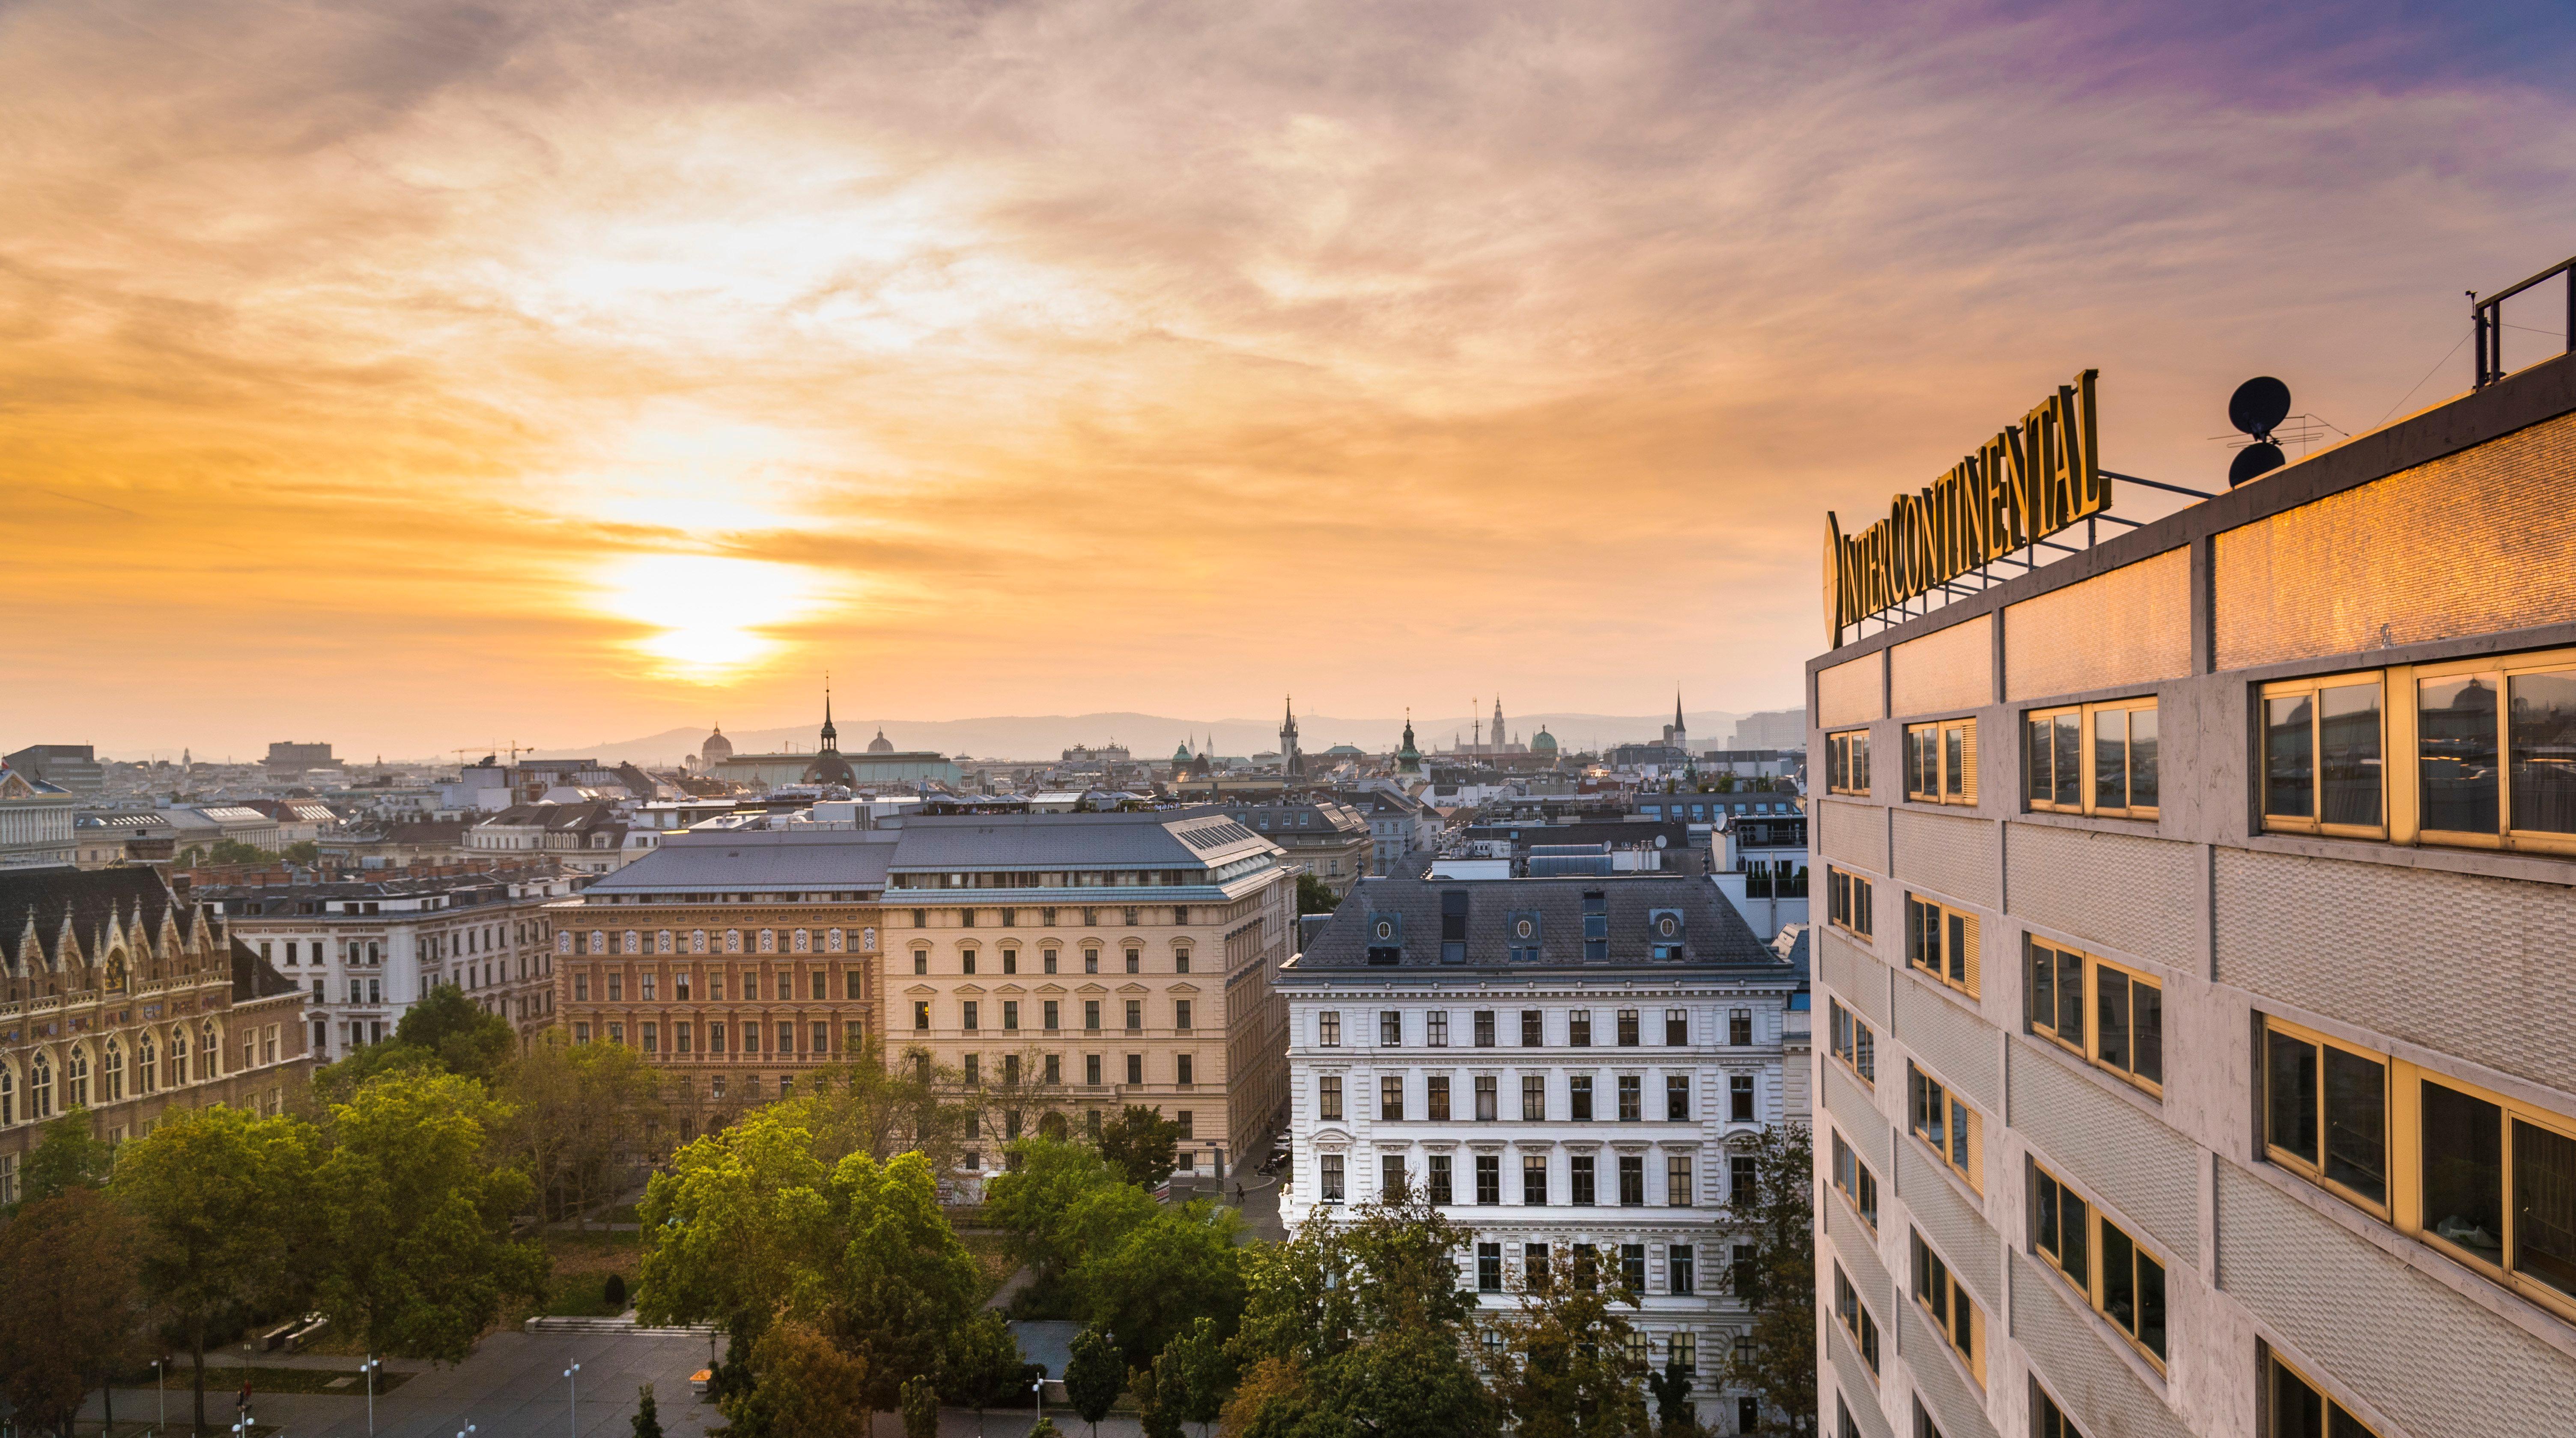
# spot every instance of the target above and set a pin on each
(1942, 942)
(1851, 1041)
(2097, 759)
(1951, 1127)
(1856, 1181)
(1328, 1030)
(2486, 1178)
(1953, 1313)
(1435, 1027)
(1390, 1097)
(1678, 1189)
(1533, 1098)
(1488, 1102)
(2120, 1279)
(1847, 762)
(1677, 1092)
(2322, 745)
(1847, 901)
(1941, 762)
(2125, 1033)
(1435, 1103)
(1484, 1028)
(1533, 1028)
(1332, 1178)
(1854, 1318)
(2495, 741)
(2298, 1409)
(2047, 1420)
(1328, 1096)
(1677, 1028)
(1578, 1028)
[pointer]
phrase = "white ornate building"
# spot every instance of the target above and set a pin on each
(1563, 1062)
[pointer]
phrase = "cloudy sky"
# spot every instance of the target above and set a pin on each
(416, 375)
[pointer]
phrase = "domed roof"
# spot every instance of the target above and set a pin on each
(881, 744)
(717, 746)
(830, 768)
(1543, 740)
(1353, 750)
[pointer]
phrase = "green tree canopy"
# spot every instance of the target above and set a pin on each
(467, 1038)
(1356, 1326)
(1195, 1374)
(1093, 1375)
(1141, 1144)
(69, 1156)
(1060, 1201)
(224, 1198)
(302, 851)
(1566, 1370)
(805, 1386)
(573, 1111)
(985, 1365)
(1314, 896)
(419, 1256)
(1779, 1281)
(905, 1286)
(1179, 1265)
(67, 1266)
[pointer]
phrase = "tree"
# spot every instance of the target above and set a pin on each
(1778, 1281)
(339, 1080)
(985, 1362)
(904, 1286)
(1156, 1412)
(418, 1256)
(1314, 896)
(1194, 1374)
(302, 851)
(1177, 1266)
(67, 1264)
(234, 851)
(579, 1112)
(1565, 1371)
(805, 1386)
(467, 1038)
(1061, 1202)
(1142, 1144)
(1674, 1417)
(920, 1408)
(1357, 1325)
(648, 1419)
(1045, 1428)
(68, 1156)
(868, 1106)
(738, 1225)
(222, 1196)
(1092, 1376)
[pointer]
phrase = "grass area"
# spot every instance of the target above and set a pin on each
(228, 1380)
(582, 1263)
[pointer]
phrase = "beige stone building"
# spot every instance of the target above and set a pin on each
(118, 997)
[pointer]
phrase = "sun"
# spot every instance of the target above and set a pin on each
(712, 615)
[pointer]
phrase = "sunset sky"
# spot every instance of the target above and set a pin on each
(416, 375)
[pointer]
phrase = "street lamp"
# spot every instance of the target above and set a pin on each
(369, 1368)
(468, 1428)
(572, 1377)
(161, 1391)
(1039, 1388)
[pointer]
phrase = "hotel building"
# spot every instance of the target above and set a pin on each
(1566, 1063)
(2196, 959)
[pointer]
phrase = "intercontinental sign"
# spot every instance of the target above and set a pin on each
(2027, 483)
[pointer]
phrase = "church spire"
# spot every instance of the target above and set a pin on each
(831, 736)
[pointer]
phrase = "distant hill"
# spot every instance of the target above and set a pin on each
(1047, 736)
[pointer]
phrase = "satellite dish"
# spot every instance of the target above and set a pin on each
(2253, 460)
(2258, 406)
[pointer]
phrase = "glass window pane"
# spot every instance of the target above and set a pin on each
(2119, 1278)
(2142, 759)
(2151, 1305)
(2042, 790)
(2111, 1008)
(2298, 1411)
(1958, 948)
(2344, 1425)
(1959, 1133)
(2074, 1221)
(2147, 1032)
(2111, 759)
(2464, 1171)
(2357, 1124)
(2457, 723)
(1953, 779)
(2291, 1071)
(2048, 1195)
(2348, 728)
(2070, 997)
(2544, 752)
(2544, 1206)
(2288, 768)
(2043, 986)
(2068, 766)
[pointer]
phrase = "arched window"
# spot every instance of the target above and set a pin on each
(8, 1096)
(634, 942)
(111, 1074)
(76, 1078)
(662, 942)
(598, 941)
(146, 1076)
(40, 1088)
(209, 1050)
(733, 941)
(769, 941)
(698, 941)
(867, 939)
(116, 972)
(804, 941)
(832, 941)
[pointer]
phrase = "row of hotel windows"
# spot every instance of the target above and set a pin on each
(968, 956)
(721, 1037)
(2481, 1176)
(371, 951)
(1582, 1174)
(1631, 1090)
(783, 987)
(1626, 1027)
(702, 941)
(1050, 1014)
(2294, 1408)
(80, 1087)
(2108, 1013)
(2493, 745)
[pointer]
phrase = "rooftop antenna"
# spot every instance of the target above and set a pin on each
(2257, 408)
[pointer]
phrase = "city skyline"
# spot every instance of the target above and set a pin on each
(440, 373)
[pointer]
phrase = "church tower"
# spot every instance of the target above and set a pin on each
(1496, 738)
(1408, 760)
(1678, 736)
(1289, 764)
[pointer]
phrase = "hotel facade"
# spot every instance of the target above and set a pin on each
(2194, 963)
